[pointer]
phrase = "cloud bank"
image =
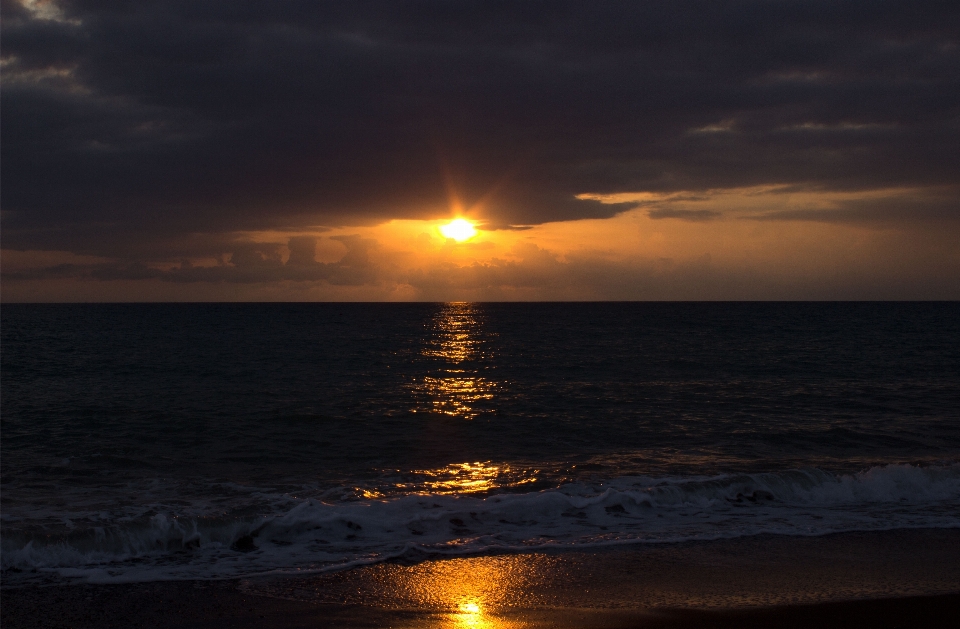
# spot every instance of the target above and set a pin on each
(153, 132)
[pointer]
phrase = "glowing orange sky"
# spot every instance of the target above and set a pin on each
(630, 151)
(711, 246)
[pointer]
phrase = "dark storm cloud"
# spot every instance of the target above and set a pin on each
(128, 127)
(247, 263)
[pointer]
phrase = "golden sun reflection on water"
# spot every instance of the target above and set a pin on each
(456, 328)
(468, 478)
(455, 390)
(456, 396)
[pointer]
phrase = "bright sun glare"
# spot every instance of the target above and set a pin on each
(459, 229)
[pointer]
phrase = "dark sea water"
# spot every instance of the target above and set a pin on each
(145, 442)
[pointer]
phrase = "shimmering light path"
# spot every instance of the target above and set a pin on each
(456, 386)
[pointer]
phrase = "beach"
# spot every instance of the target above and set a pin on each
(878, 579)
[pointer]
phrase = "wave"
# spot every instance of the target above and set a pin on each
(298, 536)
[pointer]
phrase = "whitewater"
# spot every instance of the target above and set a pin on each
(300, 536)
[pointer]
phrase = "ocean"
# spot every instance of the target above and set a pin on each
(148, 442)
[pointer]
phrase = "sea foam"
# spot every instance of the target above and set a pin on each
(297, 536)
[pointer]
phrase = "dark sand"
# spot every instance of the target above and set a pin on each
(894, 579)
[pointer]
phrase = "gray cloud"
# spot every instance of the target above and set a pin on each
(132, 127)
(696, 216)
(895, 209)
(247, 263)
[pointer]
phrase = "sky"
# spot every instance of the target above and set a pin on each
(639, 150)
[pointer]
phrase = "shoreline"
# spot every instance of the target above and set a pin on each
(906, 578)
(182, 605)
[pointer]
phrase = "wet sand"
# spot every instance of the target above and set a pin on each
(895, 579)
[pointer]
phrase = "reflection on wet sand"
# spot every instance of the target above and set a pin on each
(456, 388)
(633, 585)
(470, 614)
(469, 593)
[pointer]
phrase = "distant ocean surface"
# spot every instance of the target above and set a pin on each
(151, 442)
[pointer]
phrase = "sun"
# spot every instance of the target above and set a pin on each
(459, 229)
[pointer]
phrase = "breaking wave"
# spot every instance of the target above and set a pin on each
(297, 536)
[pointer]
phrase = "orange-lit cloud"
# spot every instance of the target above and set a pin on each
(625, 151)
(771, 242)
(514, 116)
